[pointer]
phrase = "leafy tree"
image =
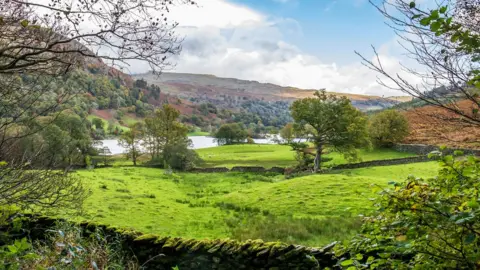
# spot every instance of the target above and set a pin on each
(163, 129)
(131, 140)
(44, 44)
(423, 223)
(230, 134)
(97, 123)
(330, 121)
(287, 133)
(388, 127)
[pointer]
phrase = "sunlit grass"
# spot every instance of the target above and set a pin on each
(238, 205)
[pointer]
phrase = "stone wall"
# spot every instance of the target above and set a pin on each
(209, 170)
(166, 252)
(385, 162)
(252, 169)
(423, 149)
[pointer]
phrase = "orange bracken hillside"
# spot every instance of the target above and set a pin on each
(428, 126)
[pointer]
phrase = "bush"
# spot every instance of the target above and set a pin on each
(424, 224)
(388, 127)
(179, 157)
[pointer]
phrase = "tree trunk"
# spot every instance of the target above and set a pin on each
(318, 158)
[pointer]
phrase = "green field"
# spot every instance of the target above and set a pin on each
(269, 155)
(198, 133)
(311, 210)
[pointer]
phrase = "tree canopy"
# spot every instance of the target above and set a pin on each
(330, 121)
(388, 127)
(230, 134)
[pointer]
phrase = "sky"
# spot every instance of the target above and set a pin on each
(307, 44)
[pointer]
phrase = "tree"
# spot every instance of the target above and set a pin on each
(333, 122)
(388, 127)
(443, 39)
(131, 140)
(43, 44)
(230, 134)
(163, 129)
(287, 133)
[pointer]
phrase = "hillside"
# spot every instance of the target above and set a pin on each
(437, 126)
(231, 92)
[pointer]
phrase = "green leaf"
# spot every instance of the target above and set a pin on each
(425, 21)
(470, 238)
(434, 14)
(435, 26)
(359, 257)
(24, 23)
(347, 262)
(416, 16)
(455, 37)
(443, 9)
(412, 4)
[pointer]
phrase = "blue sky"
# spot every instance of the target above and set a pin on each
(307, 44)
(331, 29)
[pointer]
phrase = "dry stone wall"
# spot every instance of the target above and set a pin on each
(424, 149)
(157, 252)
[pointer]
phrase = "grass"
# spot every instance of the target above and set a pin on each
(312, 210)
(269, 155)
(198, 133)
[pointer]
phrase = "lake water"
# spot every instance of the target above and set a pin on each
(197, 143)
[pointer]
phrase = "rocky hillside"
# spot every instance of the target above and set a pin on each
(230, 92)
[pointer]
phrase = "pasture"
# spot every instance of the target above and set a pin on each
(269, 155)
(311, 210)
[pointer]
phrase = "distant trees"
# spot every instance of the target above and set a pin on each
(330, 121)
(287, 133)
(230, 134)
(131, 139)
(388, 127)
(98, 123)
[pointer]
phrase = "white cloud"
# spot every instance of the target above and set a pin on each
(230, 40)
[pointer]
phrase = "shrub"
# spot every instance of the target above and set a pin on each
(179, 157)
(388, 127)
(424, 224)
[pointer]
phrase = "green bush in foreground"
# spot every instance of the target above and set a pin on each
(424, 224)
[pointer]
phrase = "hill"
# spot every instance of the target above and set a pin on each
(231, 92)
(437, 126)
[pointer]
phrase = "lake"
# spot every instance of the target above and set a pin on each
(197, 143)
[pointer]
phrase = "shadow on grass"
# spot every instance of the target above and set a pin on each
(306, 231)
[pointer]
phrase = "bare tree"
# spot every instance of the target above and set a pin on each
(42, 43)
(444, 67)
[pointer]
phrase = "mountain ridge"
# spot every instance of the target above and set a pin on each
(218, 90)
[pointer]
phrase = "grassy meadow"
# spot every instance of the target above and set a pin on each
(269, 155)
(311, 210)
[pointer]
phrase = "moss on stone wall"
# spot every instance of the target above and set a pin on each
(156, 252)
